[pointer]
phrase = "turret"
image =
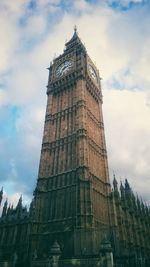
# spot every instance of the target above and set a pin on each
(4, 212)
(32, 208)
(122, 190)
(115, 186)
(138, 205)
(133, 199)
(129, 195)
(1, 196)
(123, 198)
(9, 210)
(127, 189)
(143, 208)
(19, 206)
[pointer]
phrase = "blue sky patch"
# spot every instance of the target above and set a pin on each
(121, 5)
(8, 118)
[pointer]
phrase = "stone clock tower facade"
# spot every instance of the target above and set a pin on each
(71, 198)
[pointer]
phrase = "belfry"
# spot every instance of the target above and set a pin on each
(75, 218)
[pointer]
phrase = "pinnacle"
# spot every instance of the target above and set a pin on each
(114, 180)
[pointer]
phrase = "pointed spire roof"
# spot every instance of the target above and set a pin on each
(74, 41)
(75, 34)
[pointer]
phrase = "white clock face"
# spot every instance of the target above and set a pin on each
(92, 72)
(63, 68)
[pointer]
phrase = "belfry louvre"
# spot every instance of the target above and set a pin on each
(75, 218)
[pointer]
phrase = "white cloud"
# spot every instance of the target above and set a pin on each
(127, 129)
(14, 8)
(36, 25)
(9, 37)
(81, 5)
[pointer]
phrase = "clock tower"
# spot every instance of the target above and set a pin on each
(70, 203)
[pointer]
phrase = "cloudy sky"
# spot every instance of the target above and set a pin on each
(117, 37)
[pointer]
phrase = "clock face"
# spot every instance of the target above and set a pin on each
(63, 68)
(92, 73)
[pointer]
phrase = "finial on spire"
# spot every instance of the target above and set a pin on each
(75, 28)
(75, 32)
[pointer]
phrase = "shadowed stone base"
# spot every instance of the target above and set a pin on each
(96, 262)
(104, 259)
(74, 262)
